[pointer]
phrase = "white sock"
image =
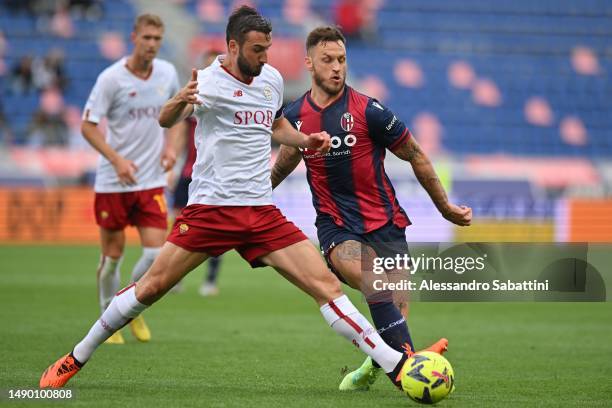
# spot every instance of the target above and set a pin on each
(121, 310)
(108, 280)
(144, 263)
(346, 320)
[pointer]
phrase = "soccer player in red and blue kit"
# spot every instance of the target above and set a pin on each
(358, 214)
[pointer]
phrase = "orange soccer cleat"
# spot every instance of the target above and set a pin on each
(58, 373)
(440, 346)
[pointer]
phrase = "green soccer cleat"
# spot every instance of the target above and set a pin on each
(362, 378)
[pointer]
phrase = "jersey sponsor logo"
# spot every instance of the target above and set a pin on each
(337, 142)
(145, 112)
(258, 117)
(348, 140)
(390, 125)
(347, 121)
(267, 91)
(237, 93)
(298, 125)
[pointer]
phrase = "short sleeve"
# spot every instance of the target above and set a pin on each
(207, 90)
(385, 128)
(100, 100)
(281, 91)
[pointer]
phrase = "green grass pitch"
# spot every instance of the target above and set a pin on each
(262, 343)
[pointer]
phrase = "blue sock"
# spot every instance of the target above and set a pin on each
(391, 325)
(213, 269)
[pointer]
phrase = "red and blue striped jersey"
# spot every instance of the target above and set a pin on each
(349, 183)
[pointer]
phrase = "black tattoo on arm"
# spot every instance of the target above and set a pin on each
(286, 161)
(424, 172)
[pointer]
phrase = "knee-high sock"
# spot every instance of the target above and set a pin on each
(144, 263)
(213, 270)
(346, 320)
(389, 322)
(121, 310)
(108, 280)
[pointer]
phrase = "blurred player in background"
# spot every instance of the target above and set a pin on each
(358, 214)
(130, 176)
(186, 142)
(238, 103)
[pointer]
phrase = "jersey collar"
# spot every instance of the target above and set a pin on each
(317, 108)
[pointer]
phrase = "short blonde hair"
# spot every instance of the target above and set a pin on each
(148, 19)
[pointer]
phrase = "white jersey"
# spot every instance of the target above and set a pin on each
(131, 106)
(233, 137)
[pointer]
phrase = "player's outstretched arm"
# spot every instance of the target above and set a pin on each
(283, 133)
(125, 169)
(287, 160)
(180, 106)
(411, 152)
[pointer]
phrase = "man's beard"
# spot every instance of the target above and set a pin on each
(246, 69)
(329, 90)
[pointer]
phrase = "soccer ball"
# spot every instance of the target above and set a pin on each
(427, 377)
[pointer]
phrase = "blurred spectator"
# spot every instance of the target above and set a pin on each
(349, 16)
(3, 47)
(486, 93)
(89, 9)
(584, 61)
(357, 18)
(20, 6)
(50, 71)
(408, 73)
(573, 131)
(461, 75)
(210, 11)
(6, 135)
(297, 11)
(538, 112)
(112, 46)
(22, 78)
(36, 73)
(72, 117)
(48, 126)
(61, 22)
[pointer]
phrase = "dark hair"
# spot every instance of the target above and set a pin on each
(324, 34)
(243, 20)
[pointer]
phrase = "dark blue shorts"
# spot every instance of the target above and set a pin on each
(181, 193)
(387, 241)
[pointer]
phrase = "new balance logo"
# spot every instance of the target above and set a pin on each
(237, 92)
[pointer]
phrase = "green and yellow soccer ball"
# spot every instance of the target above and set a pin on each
(427, 377)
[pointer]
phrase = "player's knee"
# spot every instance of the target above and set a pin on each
(328, 287)
(149, 291)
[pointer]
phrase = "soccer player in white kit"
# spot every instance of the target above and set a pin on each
(237, 103)
(130, 176)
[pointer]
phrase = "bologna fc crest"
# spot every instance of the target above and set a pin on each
(347, 122)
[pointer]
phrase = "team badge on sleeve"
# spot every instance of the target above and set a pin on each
(347, 122)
